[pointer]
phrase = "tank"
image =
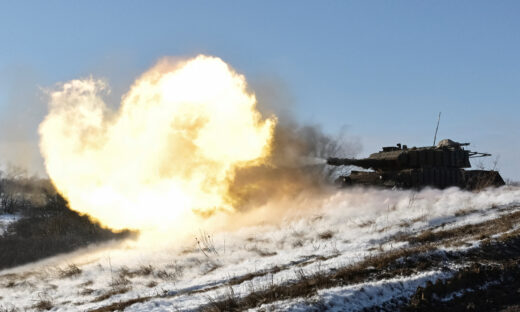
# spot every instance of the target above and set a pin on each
(439, 166)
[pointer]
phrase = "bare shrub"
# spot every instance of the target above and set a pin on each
(174, 272)
(144, 270)
(165, 275)
(211, 266)
(297, 243)
(300, 274)
(19, 191)
(120, 282)
(229, 301)
(9, 203)
(124, 271)
(206, 244)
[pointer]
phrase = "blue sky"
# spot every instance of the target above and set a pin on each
(384, 69)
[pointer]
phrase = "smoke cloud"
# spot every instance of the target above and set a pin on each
(190, 136)
(296, 166)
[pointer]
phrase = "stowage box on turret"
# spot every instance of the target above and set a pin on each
(438, 166)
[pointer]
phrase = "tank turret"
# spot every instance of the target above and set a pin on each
(437, 166)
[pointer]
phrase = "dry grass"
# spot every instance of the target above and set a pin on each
(211, 266)
(120, 306)
(70, 271)
(365, 223)
(119, 282)
(151, 284)
(488, 287)
(421, 255)
(206, 244)
(326, 235)
(111, 292)
(124, 273)
(227, 302)
(420, 218)
(261, 252)
(166, 275)
(144, 270)
(187, 251)
(118, 285)
(404, 262)
(465, 211)
(9, 308)
(308, 284)
(86, 291)
(478, 231)
(10, 284)
(297, 243)
(418, 257)
(86, 283)
(43, 304)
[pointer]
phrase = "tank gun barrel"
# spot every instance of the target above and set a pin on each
(478, 154)
(333, 161)
(366, 163)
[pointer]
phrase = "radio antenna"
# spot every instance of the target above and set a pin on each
(436, 129)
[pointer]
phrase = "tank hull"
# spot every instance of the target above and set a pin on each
(439, 166)
(425, 177)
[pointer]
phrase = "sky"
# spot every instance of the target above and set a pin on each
(379, 70)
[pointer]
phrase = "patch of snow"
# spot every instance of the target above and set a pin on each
(359, 296)
(361, 222)
(5, 220)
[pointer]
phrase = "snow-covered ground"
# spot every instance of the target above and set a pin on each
(335, 230)
(5, 220)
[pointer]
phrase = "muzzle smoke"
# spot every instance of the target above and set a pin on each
(187, 138)
(296, 166)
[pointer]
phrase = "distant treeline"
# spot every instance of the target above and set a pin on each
(47, 226)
